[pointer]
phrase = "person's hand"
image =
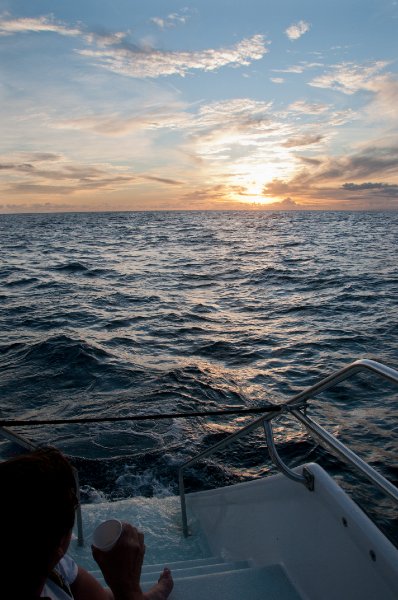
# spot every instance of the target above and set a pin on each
(121, 565)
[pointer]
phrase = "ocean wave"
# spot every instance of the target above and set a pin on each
(22, 282)
(71, 267)
(115, 314)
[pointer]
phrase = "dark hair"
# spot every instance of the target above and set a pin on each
(37, 509)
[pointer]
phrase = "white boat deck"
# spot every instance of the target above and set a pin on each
(262, 540)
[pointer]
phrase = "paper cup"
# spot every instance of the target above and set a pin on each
(107, 534)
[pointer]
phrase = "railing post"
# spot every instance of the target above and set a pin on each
(79, 520)
(183, 503)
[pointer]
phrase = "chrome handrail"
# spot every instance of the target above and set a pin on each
(293, 406)
(322, 436)
(28, 445)
(339, 449)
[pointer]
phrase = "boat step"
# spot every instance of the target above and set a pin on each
(182, 564)
(151, 572)
(183, 573)
(264, 583)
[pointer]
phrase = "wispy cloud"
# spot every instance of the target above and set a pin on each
(371, 161)
(173, 19)
(303, 140)
(37, 173)
(164, 180)
(45, 173)
(134, 62)
(13, 207)
(300, 67)
(309, 108)
(349, 77)
(113, 52)
(239, 114)
(46, 24)
(296, 30)
(172, 116)
(10, 26)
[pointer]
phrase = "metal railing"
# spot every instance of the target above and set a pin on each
(293, 407)
(324, 438)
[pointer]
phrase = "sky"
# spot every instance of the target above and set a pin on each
(110, 105)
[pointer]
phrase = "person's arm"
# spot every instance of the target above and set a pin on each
(121, 566)
(86, 587)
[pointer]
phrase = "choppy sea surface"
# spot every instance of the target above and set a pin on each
(114, 314)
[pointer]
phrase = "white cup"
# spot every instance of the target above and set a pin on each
(107, 534)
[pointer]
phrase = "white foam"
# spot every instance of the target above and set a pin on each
(158, 518)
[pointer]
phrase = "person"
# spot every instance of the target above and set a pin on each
(37, 511)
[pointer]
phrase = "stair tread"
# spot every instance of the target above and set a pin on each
(210, 560)
(183, 573)
(253, 583)
(156, 569)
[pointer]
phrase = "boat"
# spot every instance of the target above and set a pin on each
(295, 535)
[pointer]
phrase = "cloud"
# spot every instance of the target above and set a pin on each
(62, 170)
(134, 62)
(278, 187)
(220, 197)
(162, 180)
(324, 179)
(389, 189)
(173, 19)
(384, 105)
(299, 68)
(52, 174)
(41, 189)
(239, 114)
(115, 125)
(370, 161)
(304, 140)
(277, 79)
(36, 207)
(349, 77)
(113, 52)
(235, 132)
(105, 38)
(36, 25)
(286, 204)
(296, 30)
(47, 24)
(301, 106)
(41, 175)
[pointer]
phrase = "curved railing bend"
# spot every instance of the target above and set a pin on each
(323, 437)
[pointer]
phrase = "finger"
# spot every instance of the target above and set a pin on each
(94, 552)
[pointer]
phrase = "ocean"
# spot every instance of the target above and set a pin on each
(114, 314)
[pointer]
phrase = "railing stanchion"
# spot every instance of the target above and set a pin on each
(79, 520)
(183, 504)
